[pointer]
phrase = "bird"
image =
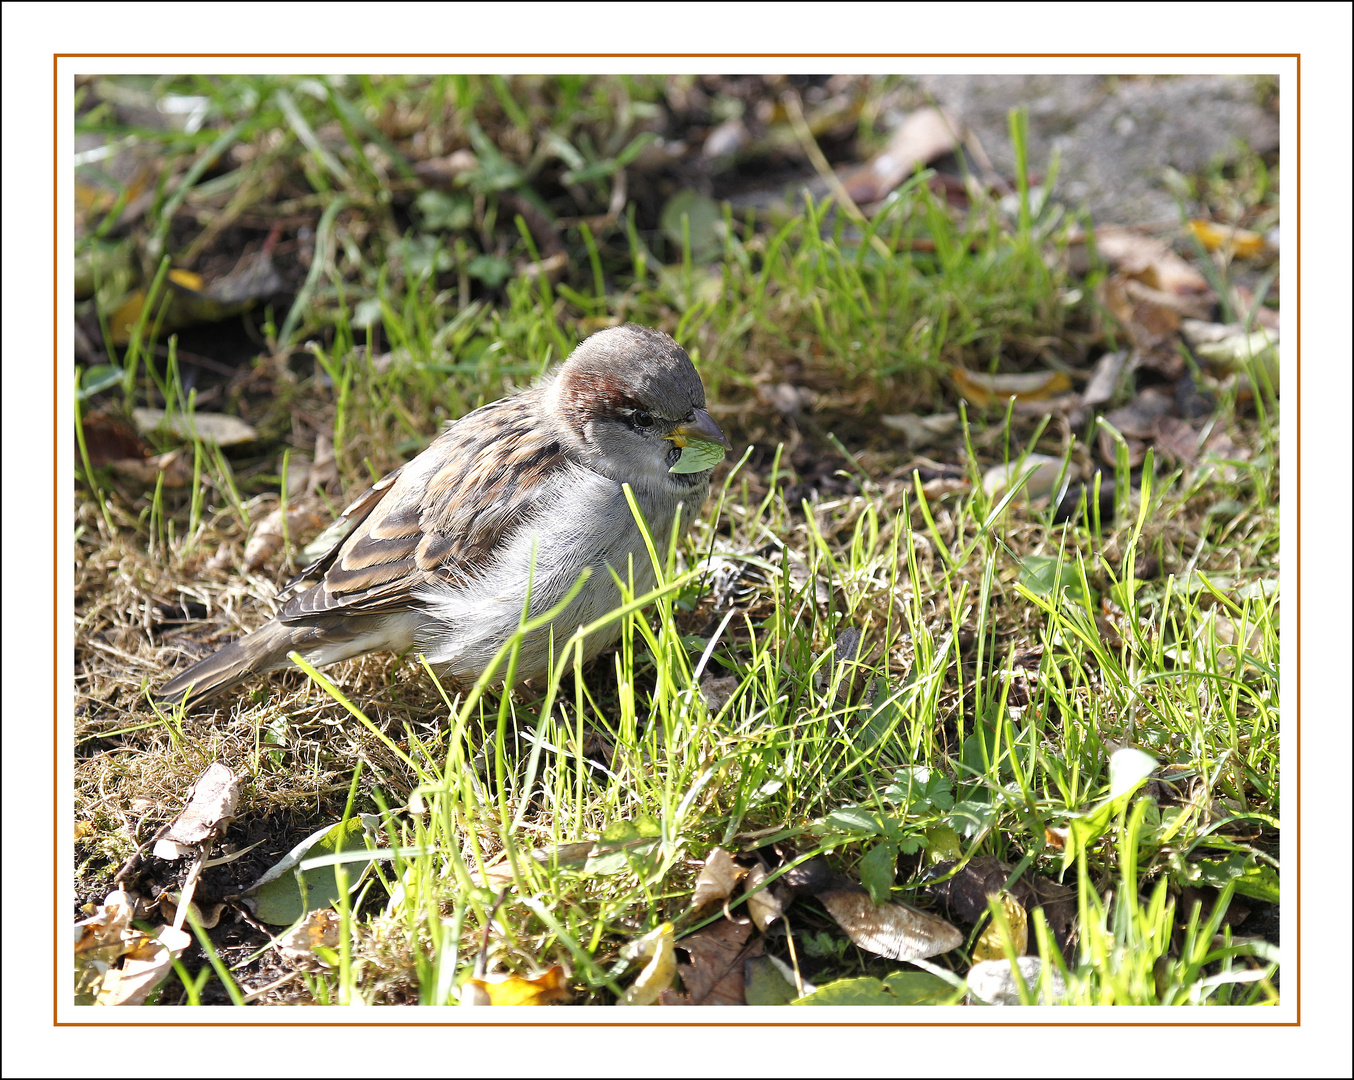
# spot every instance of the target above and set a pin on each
(518, 498)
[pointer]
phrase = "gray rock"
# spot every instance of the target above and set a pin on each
(1115, 135)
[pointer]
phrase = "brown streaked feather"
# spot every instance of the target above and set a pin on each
(438, 523)
(340, 530)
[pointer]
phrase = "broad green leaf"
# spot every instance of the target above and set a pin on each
(698, 456)
(878, 869)
(901, 988)
(283, 897)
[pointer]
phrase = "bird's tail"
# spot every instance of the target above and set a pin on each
(263, 650)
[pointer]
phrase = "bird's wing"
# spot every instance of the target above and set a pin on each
(440, 517)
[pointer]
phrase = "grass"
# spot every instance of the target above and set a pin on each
(847, 661)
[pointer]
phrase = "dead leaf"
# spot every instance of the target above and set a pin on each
(1247, 353)
(764, 905)
(116, 964)
(989, 945)
(1234, 241)
(109, 439)
(318, 930)
(897, 931)
(188, 300)
(301, 517)
(1104, 379)
(253, 278)
(145, 965)
(984, 390)
(920, 432)
(1228, 633)
(921, 136)
(172, 469)
(1150, 325)
(547, 988)
(210, 808)
(1137, 423)
(717, 691)
(1177, 439)
(324, 470)
(1148, 259)
(656, 977)
(443, 171)
(725, 139)
(209, 427)
(112, 443)
(714, 975)
(100, 937)
(788, 400)
(717, 878)
(1139, 418)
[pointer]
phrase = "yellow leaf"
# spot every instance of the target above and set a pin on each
(984, 390)
(1241, 243)
(989, 943)
(547, 988)
(658, 972)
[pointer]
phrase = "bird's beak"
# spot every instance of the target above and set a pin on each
(701, 429)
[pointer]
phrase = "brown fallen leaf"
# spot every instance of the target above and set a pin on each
(117, 964)
(717, 878)
(765, 904)
(216, 428)
(920, 432)
(172, 469)
(1150, 325)
(145, 965)
(109, 438)
(188, 300)
(318, 930)
(897, 931)
(302, 516)
(1137, 423)
(714, 974)
(210, 807)
(1104, 379)
(100, 936)
(1177, 439)
(921, 136)
(984, 390)
(1139, 418)
(572, 855)
(1148, 259)
(717, 690)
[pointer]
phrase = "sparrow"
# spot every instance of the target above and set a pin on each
(521, 496)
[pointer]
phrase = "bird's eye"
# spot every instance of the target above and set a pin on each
(641, 419)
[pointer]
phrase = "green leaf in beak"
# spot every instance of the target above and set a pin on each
(698, 456)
